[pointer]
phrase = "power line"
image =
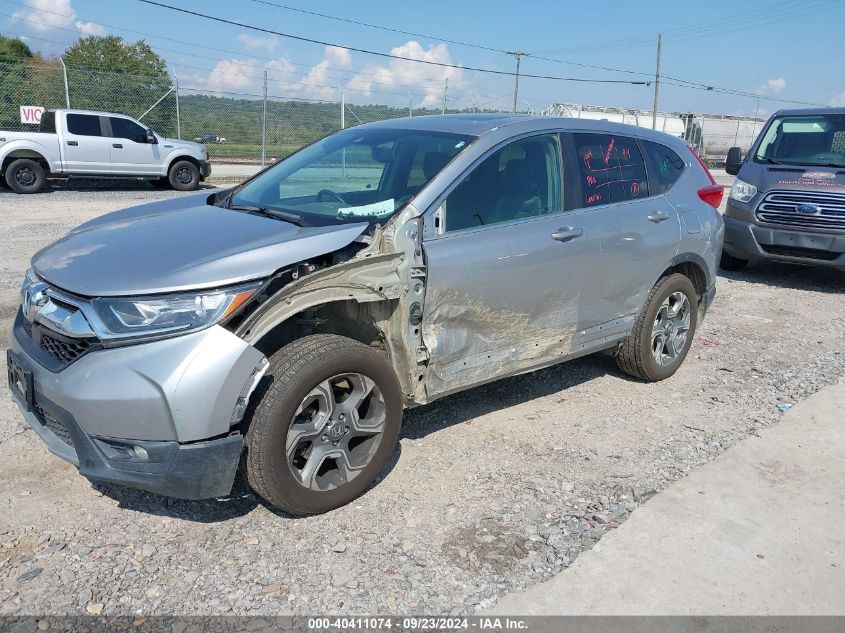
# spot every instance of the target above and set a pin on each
(386, 55)
(379, 27)
(178, 52)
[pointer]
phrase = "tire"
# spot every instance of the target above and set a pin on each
(729, 262)
(183, 176)
(25, 175)
(636, 356)
(295, 374)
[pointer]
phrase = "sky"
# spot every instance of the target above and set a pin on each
(779, 49)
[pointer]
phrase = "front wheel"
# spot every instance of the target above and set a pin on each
(325, 421)
(184, 176)
(663, 331)
(25, 176)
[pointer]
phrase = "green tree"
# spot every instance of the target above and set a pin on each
(111, 54)
(13, 50)
(106, 73)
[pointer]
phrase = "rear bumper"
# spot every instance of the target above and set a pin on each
(199, 470)
(205, 169)
(747, 240)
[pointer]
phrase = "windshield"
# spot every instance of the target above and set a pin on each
(804, 140)
(363, 175)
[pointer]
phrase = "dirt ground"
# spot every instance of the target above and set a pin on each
(490, 491)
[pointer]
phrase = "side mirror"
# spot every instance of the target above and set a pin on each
(733, 161)
(151, 137)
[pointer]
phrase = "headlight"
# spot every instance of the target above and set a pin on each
(165, 314)
(742, 191)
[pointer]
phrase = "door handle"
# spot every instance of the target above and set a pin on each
(74, 143)
(658, 216)
(567, 233)
(117, 145)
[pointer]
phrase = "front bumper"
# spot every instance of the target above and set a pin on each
(159, 416)
(205, 169)
(199, 470)
(748, 240)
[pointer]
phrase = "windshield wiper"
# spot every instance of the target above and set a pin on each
(771, 160)
(287, 216)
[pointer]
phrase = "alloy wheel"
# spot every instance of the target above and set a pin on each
(671, 329)
(335, 431)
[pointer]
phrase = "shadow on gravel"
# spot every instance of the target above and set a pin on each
(240, 502)
(85, 184)
(507, 392)
(790, 276)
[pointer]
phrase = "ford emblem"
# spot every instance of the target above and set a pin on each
(808, 209)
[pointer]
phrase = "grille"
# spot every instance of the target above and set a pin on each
(56, 426)
(781, 207)
(796, 251)
(64, 351)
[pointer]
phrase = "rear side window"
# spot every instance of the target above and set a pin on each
(83, 124)
(664, 166)
(124, 128)
(611, 169)
(48, 122)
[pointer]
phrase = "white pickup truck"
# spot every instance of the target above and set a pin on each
(98, 145)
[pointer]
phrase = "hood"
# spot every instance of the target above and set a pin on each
(175, 142)
(793, 177)
(180, 244)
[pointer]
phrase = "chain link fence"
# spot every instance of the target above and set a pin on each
(257, 128)
(236, 126)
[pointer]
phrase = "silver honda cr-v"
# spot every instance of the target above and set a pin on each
(287, 322)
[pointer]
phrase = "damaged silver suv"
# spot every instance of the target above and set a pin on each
(287, 322)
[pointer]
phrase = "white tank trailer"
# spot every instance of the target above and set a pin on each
(710, 134)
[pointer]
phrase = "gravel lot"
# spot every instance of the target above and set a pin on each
(492, 490)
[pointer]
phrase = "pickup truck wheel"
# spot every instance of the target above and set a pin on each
(25, 176)
(729, 262)
(325, 419)
(663, 331)
(184, 176)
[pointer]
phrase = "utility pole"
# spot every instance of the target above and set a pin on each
(445, 92)
(67, 92)
(264, 125)
(343, 127)
(410, 104)
(519, 55)
(656, 82)
(178, 120)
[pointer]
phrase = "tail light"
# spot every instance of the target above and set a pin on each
(713, 193)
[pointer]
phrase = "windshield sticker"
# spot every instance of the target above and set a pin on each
(378, 209)
(460, 145)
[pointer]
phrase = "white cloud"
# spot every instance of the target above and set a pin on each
(256, 42)
(241, 75)
(838, 100)
(318, 84)
(772, 86)
(413, 76)
(373, 83)
(43, 16)
(89, 28)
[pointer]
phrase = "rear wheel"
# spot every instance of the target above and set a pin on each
(729, 262)
(325, 421)
(184, 176)
(663, 331)
(25, 176)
